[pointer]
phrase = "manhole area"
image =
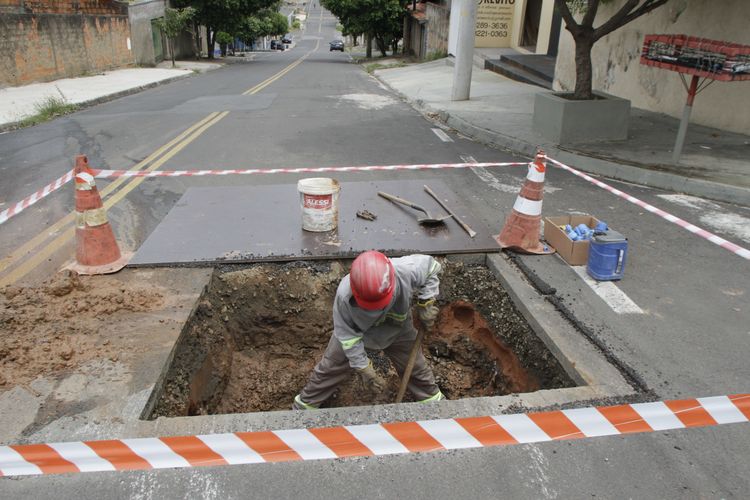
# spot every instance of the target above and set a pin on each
(257, 333)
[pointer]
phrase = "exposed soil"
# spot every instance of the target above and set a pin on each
(55, 326)
(258, 332)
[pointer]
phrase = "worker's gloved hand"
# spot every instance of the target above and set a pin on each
(428, 312)
(371, 378)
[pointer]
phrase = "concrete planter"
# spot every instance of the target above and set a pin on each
(568, 121)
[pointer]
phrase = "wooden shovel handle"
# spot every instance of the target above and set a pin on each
(410, 365)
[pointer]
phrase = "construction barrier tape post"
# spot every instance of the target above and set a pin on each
(716, 240)
(370, 440)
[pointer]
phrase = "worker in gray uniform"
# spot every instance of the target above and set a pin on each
(372, 310)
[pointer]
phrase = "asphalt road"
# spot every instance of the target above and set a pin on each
(311, 107)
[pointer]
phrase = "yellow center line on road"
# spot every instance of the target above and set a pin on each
(37, 240)
(53, 246)
(178, 144)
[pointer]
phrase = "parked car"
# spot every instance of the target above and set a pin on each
(277, 45)
(287, 38)
(337, 45)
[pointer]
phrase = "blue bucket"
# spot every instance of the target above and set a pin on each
(608, 253)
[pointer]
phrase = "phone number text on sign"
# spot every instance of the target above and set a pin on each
(494, 21)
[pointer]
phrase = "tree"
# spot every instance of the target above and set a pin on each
(223, 39)
(173, 23)
(278, 24)
(378, 20)
(224, 15)
(585, 35)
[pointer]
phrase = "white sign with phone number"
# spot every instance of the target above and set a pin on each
(494, 23)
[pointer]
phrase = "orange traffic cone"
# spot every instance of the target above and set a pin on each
(522, 228)
(96, 248)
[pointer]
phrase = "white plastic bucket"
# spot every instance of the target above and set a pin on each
(319, 200)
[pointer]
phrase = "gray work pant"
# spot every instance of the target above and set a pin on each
(334, 368)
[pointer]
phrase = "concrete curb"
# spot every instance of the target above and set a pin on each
(628, 173)
(607, 168)
(7, 127)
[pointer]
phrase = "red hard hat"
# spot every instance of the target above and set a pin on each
(372, 280)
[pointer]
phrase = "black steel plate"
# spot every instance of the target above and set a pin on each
(264, 223)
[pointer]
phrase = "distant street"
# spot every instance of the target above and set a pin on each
(309, 107)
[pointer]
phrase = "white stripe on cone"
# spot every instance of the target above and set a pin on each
(528, 207)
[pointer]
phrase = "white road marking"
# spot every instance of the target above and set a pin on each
(608, 291)
(442, 135)
(495, 183)
(713, 215)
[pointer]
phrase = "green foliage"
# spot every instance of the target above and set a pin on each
(296, 25)
(438, 54)
(225, 15)
(370, 68)
(380, 19)
(222, 37)
(175, 21)
(48, 109)
(252, 27)
(264, 23)
(279, 24)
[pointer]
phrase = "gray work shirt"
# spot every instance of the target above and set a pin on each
(358, 328)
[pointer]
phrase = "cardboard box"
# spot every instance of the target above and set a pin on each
(575, 253)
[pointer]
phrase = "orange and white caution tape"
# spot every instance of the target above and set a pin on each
(716, 240)
(370, 440)
(22, 205)
(300, 170)
(103, 174)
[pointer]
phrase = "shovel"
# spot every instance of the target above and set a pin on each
(427, 220)
(410, 364)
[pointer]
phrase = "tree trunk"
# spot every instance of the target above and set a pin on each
(394, 47)
(210, 39)
(171, 50)
(584, 75)
(368, 41)
(381, 45)
(196, 41)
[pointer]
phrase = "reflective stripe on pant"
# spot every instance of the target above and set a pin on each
(334, 368)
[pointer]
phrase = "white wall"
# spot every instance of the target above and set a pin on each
(617, 70)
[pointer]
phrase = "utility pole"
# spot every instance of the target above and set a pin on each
(467, 12)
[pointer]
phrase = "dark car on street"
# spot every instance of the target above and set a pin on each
(277, 45)
(337, 45)
(287, 39)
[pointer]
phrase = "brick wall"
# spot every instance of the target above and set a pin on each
(91, 7)
(44, 47)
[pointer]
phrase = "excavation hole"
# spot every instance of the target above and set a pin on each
(464, 313)
(257, 333)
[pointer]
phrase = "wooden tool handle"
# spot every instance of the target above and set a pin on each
(461, 223)
(401, 200)
(410, 364)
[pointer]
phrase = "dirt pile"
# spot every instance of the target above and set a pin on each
(258, 333)
(54, 326)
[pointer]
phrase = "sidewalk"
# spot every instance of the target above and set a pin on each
(17, 103)
(714, 163)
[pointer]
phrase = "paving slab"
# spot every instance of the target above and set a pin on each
(263, 223)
